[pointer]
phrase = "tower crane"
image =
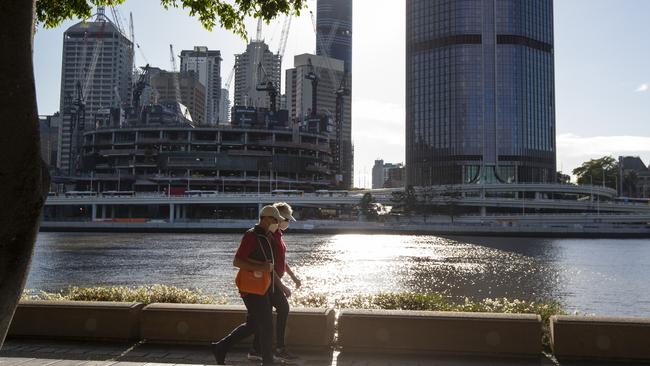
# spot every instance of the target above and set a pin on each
(269, 87)
(176, 76)
(311, 75)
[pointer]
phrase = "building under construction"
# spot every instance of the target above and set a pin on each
(96, 74)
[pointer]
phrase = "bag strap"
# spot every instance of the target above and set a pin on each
(259, 242)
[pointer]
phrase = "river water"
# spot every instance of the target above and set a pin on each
(592, 276)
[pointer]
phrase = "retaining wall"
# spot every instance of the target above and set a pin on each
(77, 320)
(586, 337)
(172, 323)
(440, 332)
(574, 337)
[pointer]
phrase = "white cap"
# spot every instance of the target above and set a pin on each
(271, 211)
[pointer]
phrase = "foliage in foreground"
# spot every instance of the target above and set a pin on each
(143, 294)
(433, 302)
(439, 302)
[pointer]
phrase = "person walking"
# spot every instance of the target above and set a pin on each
(281, 292)
(255, 254)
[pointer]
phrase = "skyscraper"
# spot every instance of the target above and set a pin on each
(334, 30)
(334, 40)
(96, 73)
(301, 99)
(207, 64)
(253, 68)
(480, 94)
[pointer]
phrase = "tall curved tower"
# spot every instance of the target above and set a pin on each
(480, 94)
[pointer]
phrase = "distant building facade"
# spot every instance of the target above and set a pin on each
(302, 99)
(254, 68)
(387, 175)
(207, 64)
(96, 73)
(224, 107)
(480, 95)
(49, 131)
(634, 177)
(191, 90)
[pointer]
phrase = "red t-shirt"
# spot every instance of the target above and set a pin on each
(250, 248)
(279, 252)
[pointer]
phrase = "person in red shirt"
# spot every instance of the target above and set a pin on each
(255, 253)
(281, 292)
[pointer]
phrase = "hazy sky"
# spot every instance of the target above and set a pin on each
(602, 71)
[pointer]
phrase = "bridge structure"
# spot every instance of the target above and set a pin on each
(522, 202)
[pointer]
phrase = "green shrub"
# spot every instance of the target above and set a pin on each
(143, 294)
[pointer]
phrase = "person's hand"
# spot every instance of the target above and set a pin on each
(297, 282)
(286, 291)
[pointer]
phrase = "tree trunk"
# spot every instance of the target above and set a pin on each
(24, 179)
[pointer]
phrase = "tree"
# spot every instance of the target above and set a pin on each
(368, 207)
(595, 170)
(562, 178)
(23, 174)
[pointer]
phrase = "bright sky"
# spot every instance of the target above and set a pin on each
(602, 71)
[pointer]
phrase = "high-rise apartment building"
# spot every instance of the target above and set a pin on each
(207, 64)
(480, 95)
(254, 68)
(301, 101)
(96, 73)
(387, 175)
(190, 91)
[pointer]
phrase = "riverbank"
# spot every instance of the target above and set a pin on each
(561, 228)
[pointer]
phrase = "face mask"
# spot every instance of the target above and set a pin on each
(284, 225)
(273, 227)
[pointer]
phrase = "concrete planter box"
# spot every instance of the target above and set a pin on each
(200, 324)
(588, 337)
(117, 321)
(440, 332)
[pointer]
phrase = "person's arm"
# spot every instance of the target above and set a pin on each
(252, 265)
(283, 287)
(295, 279)
(242, 260)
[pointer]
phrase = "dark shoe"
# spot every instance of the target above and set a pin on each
(219, 352)
(253, 355)
(281, 354)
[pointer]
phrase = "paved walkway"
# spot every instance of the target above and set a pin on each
(49, 353)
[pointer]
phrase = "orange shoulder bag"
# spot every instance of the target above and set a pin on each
(254, 282)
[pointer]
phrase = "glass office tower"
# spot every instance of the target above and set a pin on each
(480, 94)
(334, 30)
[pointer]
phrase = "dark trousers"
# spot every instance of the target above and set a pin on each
(259, 321)
(281, 305)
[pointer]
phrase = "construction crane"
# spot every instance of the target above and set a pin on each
(76, 107)
(229, 79)
(311, 75)
(284, 36)
(176, 76)
(269, 87)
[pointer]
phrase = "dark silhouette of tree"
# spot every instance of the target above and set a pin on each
(368, 207)
(24, 176)
(595, 170)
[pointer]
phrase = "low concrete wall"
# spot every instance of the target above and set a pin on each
(172, 323)
(589, 337)
(77, 320)
(440, 332)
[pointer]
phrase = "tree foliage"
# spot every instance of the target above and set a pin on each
(595, 170)
(228, 14)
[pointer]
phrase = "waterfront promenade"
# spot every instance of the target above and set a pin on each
(51, 353)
